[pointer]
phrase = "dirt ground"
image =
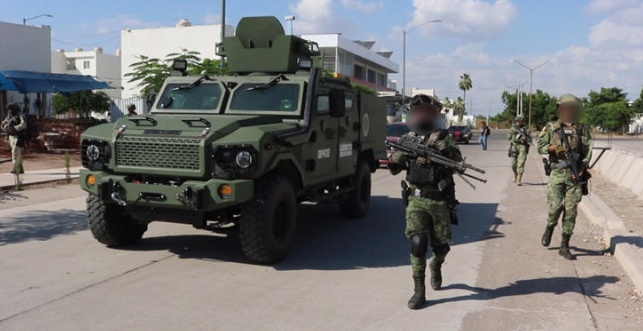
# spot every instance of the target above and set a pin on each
(40, 161)
(622, 201)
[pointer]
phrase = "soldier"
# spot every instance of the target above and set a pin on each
(14, 124)
(564, 192)
(131, 110)
(428, 214)
(520, 140)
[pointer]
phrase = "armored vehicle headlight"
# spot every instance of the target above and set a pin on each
(95, 154)
(244, 159)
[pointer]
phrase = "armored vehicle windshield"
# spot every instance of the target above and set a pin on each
(178, 96)
(250, 97)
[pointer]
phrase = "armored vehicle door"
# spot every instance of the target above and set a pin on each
(348, 127)
(324, 149)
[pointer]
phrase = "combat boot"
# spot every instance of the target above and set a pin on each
(519, 180)
(515, 177)
(564, 248)
(419, 296)
(436, 273)
(549, 231)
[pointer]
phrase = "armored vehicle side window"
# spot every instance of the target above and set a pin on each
(348, 102)
(323, 104)
(200, 97)
(277, 98)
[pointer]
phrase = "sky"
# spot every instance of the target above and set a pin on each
(589, 44)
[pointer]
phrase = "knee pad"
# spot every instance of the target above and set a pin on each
(441, 250)
(419, 244)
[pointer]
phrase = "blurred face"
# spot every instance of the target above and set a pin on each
(424, 113)
(568, 112)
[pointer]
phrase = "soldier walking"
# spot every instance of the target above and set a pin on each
(564, 191)
(15, 124)
(519, 148)
(429, 212)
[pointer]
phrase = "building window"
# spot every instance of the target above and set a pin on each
(71, 65)
(359, 72)
(86, 64)
(381, 79)
(371, 77)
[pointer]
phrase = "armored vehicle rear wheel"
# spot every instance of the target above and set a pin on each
(110, 225)
(356, 203)
(268, 221)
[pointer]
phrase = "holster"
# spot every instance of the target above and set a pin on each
(406, 192)
(547, 167)
(585, 180)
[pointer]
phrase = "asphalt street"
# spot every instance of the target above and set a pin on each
(342, 274)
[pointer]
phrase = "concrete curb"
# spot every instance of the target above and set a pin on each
(626, 246)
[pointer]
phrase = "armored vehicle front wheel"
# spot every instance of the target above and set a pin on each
(110, 225)
(268, 221)
(356, 203)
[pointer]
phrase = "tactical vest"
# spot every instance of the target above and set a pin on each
(425, 175)
(573, 134)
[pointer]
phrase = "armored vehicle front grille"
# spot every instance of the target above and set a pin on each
(158, 153)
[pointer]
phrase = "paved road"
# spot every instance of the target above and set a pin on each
(626, 143)
(342, 274)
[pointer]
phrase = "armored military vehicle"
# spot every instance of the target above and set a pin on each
(240, 150)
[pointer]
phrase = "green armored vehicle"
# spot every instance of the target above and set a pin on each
(242, 149)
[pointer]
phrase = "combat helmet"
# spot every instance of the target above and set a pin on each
(568, 99)
(417, 120)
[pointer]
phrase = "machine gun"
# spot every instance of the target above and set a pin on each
(415, 149)
(573, 161)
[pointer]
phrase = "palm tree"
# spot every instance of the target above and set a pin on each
(465, 85)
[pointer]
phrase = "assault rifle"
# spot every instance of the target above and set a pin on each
(415, 149)
(8, 125)
(573, 161)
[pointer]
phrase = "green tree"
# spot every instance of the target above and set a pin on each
(465, 85)
(608, 109)
(637, 105)
(149, 74)
(606, 95)
(82, 102)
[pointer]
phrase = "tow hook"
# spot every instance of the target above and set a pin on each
(117, 194)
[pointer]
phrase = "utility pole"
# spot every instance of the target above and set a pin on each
(404, 32)
(531, 82)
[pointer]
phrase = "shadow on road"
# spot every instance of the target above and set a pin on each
(10, 196)
(327, 241)
(632, 240)
(589, 286)
(41, 225)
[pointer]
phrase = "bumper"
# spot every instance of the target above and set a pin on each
(190, 195)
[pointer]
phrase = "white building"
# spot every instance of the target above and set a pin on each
(159, 42)
(356, 60)
(95, 63)
(24, 47)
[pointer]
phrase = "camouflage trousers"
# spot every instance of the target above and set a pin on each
(430, 217)
(519, 158)
(563, 196)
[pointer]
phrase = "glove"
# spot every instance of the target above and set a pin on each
(441, 146)
(421, 160)
(398, 158)
(560, 152)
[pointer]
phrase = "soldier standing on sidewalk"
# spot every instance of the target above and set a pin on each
(14, 124)
(564, 192)
(520, 140)
(428, 213)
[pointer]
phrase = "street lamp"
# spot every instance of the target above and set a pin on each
(24, 20)
(404, 55)
(290, 19)
(531, 82)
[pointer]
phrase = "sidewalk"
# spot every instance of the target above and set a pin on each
(8, 180)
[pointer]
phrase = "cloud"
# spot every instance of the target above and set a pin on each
(464, 19)
(363, 6)
(211, 19)
(609, 6)
(119, 22)
(621, 29)
(319, 16)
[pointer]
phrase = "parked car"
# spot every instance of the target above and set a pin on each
(393, 133)
(461, 133)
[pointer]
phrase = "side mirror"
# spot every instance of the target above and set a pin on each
(337, 103)
(149, 100)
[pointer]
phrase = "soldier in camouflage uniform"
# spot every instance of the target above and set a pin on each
(563, 192)
(520, 140)
(428, 213)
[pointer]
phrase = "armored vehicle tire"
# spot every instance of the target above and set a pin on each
(268, 221)
(110, 225)
(356, 203)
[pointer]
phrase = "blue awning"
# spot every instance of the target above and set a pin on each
(42, 82)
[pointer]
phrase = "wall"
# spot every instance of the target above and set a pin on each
(102, 67)
(159, 42)
(622, 168)
(24, 48)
